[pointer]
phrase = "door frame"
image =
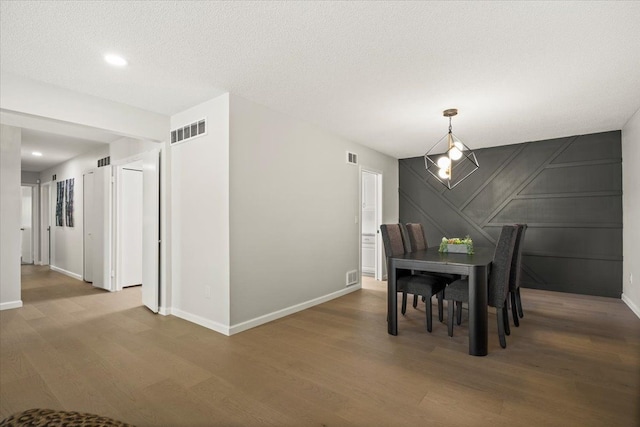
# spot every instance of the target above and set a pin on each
(379, 253)
(35, 221)
(117, 166)
(45, 223)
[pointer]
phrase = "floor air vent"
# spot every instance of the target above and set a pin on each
(352, 277)
(188, 132)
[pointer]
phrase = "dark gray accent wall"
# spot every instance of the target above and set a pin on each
(568, 190)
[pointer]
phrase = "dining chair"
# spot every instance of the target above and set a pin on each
(458, 291)
(515, 274)
(396, 242)
(418, 242)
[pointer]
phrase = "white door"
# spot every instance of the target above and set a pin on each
(151, 230)
(368, 223)
(130, 227)
(100, 213)
(26, 226)
(45, 223)
(372, 254)
(89, 225)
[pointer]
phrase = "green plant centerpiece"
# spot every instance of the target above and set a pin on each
(457, 245)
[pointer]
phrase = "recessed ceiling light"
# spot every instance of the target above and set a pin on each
(36, 153)
(115, 60)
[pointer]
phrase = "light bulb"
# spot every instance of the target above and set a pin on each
(115, 60)
(455, 154)
(443, 173)
(443, 162)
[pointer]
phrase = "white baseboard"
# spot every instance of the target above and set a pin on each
(198, 320)
(261, 320)
(11, 304)
(631, 305)
(66, 273)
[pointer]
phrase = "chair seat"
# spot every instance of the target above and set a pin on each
(418, 284)
(457, 291)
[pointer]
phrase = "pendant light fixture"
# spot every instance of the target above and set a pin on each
(450, 161)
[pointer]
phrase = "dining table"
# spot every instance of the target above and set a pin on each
(475, 266)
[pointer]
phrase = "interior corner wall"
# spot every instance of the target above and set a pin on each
(293, 205)
(67, 242)
(200, 218)
(10, 201)
(631, 212)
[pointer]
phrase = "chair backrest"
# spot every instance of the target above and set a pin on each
(394, 237)
(516, 264)
(417, 239)
(501, 266)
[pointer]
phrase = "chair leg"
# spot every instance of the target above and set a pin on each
(440, 307)
(519, 301)
(458, 312)
(415, 301)
(428, 311)
(404, 303)
(503, 340)
(505, 316)
(514, 310)
(450, 311)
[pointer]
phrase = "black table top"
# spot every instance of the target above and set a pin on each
(481, 256)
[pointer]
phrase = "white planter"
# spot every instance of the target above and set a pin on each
(457, 249)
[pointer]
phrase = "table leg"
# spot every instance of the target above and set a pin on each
(392, 300)
(478, 317)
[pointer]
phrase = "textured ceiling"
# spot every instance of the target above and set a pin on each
(378, 73)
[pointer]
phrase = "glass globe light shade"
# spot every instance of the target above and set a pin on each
(455, 153)
(443, 173)
(443, 162)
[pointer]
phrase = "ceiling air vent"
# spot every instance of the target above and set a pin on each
(352, 158)
(188, 132)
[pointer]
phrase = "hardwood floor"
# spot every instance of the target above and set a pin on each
(574, 361)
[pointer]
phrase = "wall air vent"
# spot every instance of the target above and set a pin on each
(352, 277)
(352, 158)
(104, 162)
(188, 132)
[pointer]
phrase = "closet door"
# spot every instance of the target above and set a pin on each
(100, 213)
(151, 230)
(89, 225)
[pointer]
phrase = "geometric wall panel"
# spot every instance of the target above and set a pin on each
(568, 190)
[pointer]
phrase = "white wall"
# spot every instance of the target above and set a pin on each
(200, 218)
(631, 212)
(23, 95)
(293, 204)
(66, 242)
(10, 140)
(128, 147)
(29, 177)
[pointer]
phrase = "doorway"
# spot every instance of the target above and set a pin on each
(371, 214)
(45, 224)
(26, 225)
